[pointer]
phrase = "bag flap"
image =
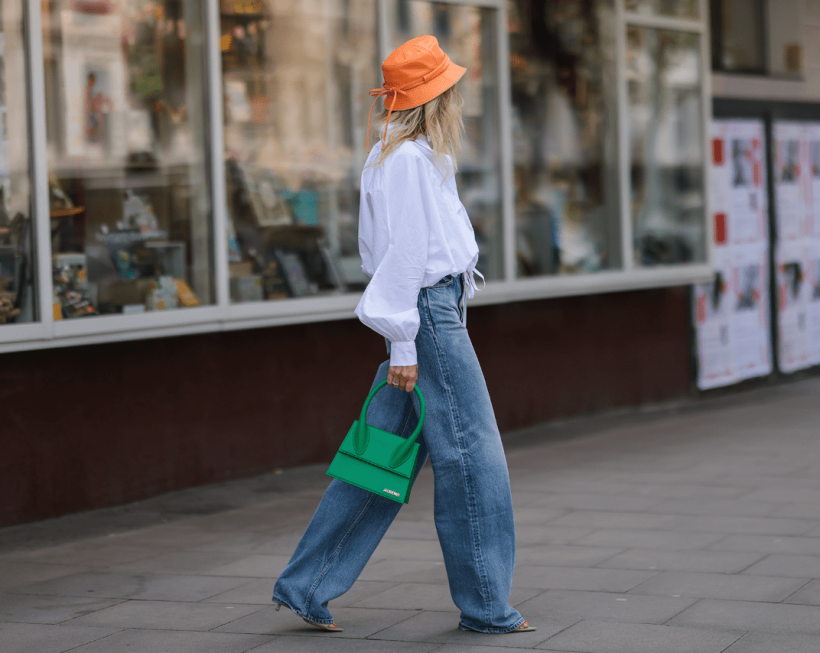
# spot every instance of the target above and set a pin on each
(381, 446)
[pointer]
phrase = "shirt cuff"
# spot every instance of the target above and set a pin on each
(403, 353)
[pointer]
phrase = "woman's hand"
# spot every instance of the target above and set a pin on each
(403, 377)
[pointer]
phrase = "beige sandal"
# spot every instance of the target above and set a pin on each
(524, 628)
(332, 628)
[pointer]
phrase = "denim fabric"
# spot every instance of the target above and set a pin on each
(473, 504)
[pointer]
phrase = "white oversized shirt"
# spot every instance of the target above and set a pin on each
(413, 230)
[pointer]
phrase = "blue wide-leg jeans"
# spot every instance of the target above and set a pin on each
(473, 504)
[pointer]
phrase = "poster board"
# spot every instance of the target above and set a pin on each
(797, 257)
(731, 313)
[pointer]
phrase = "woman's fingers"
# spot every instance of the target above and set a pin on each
(403, 377)
(409, 386)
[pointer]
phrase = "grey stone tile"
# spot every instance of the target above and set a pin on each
(168, 641)
(249, 543)
(579, 578)
(412, 530)
(541, 535)
(786, 495)
(815, 532)
(254, 566)
(809, 594)
(556, 555)
(178, 562)
(135, 586)
(35, 638)
(732, 507)
(442, 628)
(602, 637)
(598, 502)
(738, 587)
(167, 615)
(746, 525)
(593, 519)
(769, 544)
(775, 643)
(255, 592)
(408, 550)
(48, 609)
(333, 643)
(412, 596)
(528, 517)
(681, 491)
(601, 606)
(747, 615)
(401, 571)
(15, 574)
(357, 623)
(800, 511)
(646, 539)
(655, 559)
(99, 552)
(787, 565)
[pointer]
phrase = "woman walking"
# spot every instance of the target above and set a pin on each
(418, 247)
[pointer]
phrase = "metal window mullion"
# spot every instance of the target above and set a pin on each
(217, 154)
(624, 140)
(695, 25)
(384, 30)
(506, 142)
(706, 112)
(38, 166)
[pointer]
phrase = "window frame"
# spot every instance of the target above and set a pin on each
(224, 315)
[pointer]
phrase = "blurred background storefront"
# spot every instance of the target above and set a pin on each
(179, 203)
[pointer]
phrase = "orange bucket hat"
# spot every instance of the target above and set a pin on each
(414, 73)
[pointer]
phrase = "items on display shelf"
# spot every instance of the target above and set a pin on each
(71, 288)
(731, 313)
(797, 257)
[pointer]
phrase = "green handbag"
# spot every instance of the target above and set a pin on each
(378, 461)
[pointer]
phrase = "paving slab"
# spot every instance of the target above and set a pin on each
(747, 615)
(118, 585)
(579, 578)
(720, 586)
(442, 628)
(16, 573)
(787, 565)
(178, 562)
(768, 544)
(255, 566)
(333, 644)
(166, 615)
(747, 525)
(775, 643)
(655, 559)
(603, 606)
(48, 609)
(35, 638)
(809, 594)
(358, 623)
(646, 539)
(603, 637)
(167, 641)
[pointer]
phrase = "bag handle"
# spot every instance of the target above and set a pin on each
(362, 438)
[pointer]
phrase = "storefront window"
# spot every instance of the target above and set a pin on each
(296, 78)
(737, 36)
(666, 146)
(18, 262)
(564, 100)
(468, 36)
(128, 187)
(674, 8)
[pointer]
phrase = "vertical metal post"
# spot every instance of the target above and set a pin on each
(506, 140)
(624, 140)
(706, 96)
(217, 154)
(39, 166)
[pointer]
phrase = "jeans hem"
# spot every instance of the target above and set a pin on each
(299, 613)
(491, 631)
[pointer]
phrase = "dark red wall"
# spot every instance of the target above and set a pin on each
(101, 425)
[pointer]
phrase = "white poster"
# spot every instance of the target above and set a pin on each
(792, 181)
(732, 315)
(812, 280)
(813, 138)
(793, 291)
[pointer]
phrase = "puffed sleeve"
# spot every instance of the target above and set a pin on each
(389, 305)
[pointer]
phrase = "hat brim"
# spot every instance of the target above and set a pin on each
(422, 94)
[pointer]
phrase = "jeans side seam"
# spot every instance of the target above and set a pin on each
(471, 507)
(335, 554)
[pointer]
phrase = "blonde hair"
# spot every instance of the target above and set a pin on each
(440, 119)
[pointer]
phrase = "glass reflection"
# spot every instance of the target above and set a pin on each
(666, 141)
(295, 81)
(564, 137)
(674, 8)
(18, 303)
(468, 36)
(125, 109)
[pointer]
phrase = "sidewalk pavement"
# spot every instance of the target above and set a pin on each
(683, 531)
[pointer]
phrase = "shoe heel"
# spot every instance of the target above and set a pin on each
(278, 605)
